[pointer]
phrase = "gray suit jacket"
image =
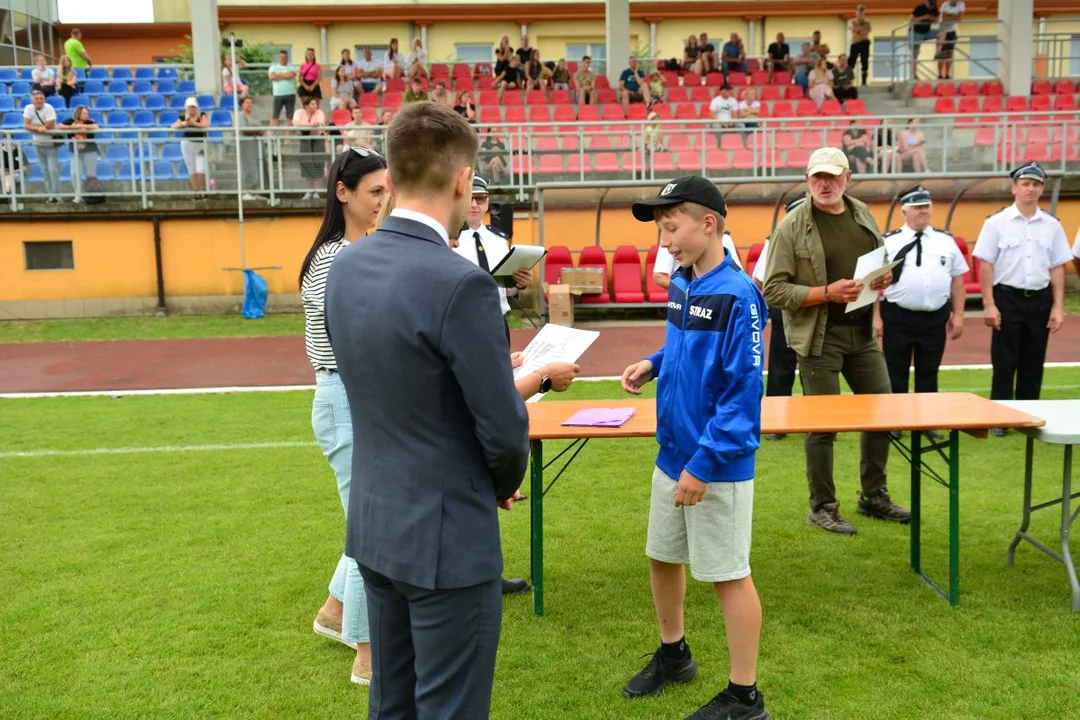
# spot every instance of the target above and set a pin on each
(441, 433)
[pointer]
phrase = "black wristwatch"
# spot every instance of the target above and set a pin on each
(545, 382)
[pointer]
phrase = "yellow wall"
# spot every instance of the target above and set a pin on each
(671, 35)
(443, 36)
(296, 36)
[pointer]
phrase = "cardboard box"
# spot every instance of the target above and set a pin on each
(584, 280)
(560, 305)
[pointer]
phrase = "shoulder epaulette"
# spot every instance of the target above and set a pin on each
(892, 232)
(996, 212)
(497, 231)
(945, 232)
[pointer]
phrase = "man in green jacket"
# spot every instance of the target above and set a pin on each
(812, 258)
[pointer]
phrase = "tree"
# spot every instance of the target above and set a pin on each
(259, 55)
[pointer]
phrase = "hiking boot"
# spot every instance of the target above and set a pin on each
(827, 517)
(726, 706)
(882, 507)
(999, 432)
(660, 671)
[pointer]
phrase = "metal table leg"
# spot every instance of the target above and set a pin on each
(916, 502)
(1067, 518)
(954, 517)
(1026, 518)
(536, 524)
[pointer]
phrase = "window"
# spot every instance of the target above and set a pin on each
(983, 52)
(882, 58)
(1074, 55)
(49, 255)
(474, 52)
(597, 51)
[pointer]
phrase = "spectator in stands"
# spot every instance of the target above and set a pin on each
(537, 74)
(393, 61)
(369, 72)
(778, 56)
(282, 76)
(417, 61)
(493, 158)
(886, 152)
(803, 64)
(656, 84)
(632, 86)
(39, 119)
(44, 77)
(817, 47)
(344, 97)
(11, 163)
(67, 80)
(227, 77)
(192, 127)
(560, 78)
(911, 148)
(513, 78)
(250, 157)
(74, 49)
(857, 147)
(585, 80)
(312, 146)
(654, 134)
(357, 132)
(310, 78)
(952, 12)
(416, 91)
(710, 61)
(503, 53)
(441, 94)
(380, 132)
(922, 29)
(724, 108)
(465, 107)
(844, 80)
(691, 59)
(821, 82)
(84, 151)
(347, 64)
(749, 109)
(734, 55)
(860, 41)
(525, 51)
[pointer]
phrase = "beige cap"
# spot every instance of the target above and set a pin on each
(191, 102)
(828, 160)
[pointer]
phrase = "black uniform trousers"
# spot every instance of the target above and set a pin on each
(913, 333)
(861, 50)
(1018, 349)
(781, 378)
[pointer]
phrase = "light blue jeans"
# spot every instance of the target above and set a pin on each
(333, 429)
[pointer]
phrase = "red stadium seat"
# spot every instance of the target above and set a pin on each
(564, 114)
(602, 82)
(855, 107)
(944, 106)
(1065, 102)
(626, 275)
(1041, 103)
(515, 114)
(688, 161)
(606, 96)
(654, 292)
(993, 87)
(805, 108)
(678, 94)
(753, 256)
(663, 162)
(490, 115)
(781, 77)
(922, 90)
(768, 93)
(395, 85)
(592, 257)
(535, 97)
(488, 97)
(715, 80)
(735, 78)
(1016, 103)
(1041, 87)
(691, 79)
(797, 158)
(561, 97)
(971, 280)
(513, 97)
(606, 162)
(830, 107)
(985, 136)
(699, 94)
(969, 87)
(945, 90)
(1063, 87)
(759, 77)
(551, 165)
(785, 140)
(794, 92)
(731, 141)
(555, 260)
(717, 160)
(340, 117)
(993, 104)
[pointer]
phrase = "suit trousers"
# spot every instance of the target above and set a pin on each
(913, 333)
(851, 351)
(432, 651)
(781, 378)
(1018, 349)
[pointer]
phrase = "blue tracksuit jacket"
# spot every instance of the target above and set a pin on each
(709, 376)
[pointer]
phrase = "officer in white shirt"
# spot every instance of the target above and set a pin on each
(925, 302)
(1023, 251)
(664, 264)
(486, 246)
(782, 362)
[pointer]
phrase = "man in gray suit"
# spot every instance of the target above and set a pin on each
(441, 433)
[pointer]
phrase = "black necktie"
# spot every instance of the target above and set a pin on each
(481, 258)
(917, 244)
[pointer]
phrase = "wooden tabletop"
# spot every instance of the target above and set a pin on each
(799, 414)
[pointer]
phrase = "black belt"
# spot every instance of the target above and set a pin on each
(1023, 292)
(898, 306)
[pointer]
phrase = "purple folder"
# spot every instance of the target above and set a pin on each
(601, 417)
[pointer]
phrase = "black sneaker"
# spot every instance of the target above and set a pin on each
(882, 507)
(515, 586)
(999, 432)
(726, 706)
(660, 671)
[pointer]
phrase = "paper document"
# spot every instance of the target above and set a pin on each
(520, 257)
(601, 417)
(868, 268)
(554, 343)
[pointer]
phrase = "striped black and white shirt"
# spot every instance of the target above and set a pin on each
(313, 294)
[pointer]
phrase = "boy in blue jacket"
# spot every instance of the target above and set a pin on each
(708, 424)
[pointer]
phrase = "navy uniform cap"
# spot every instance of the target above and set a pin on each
(479, 185)
(915, 196)
(1031, 171)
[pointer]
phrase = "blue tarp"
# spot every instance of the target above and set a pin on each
(255, 294)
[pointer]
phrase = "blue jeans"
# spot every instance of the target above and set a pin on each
(333, 429)
(49, 160)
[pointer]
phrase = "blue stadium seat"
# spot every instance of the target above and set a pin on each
(117, 87)
(221, 118)
(143, 119)
(105, 171)
(226, 102)
(77, 100)
(185, 86)
(121, 73)
(166, 72)
(20, 88)
(130, 101)
(142, 87)
(105, 102)
(144, 73)
(13, 120)
(117, 118)
(162, 170)
(103, 138)
(65, 172)
(57, 102)
(166, 87)
(96, 118)
(177, 103)
(124, 171)
(94, 87)
(27, 74)
(206, 102)
(171, 152)
(8, 75)
(98, 73)
(35, 174)
(63, 115)
(155, 102)
(7, 103)
(30, 153)
(80, 74)
(182, 172)
(64, 153)
(167, 117)
(117, 152)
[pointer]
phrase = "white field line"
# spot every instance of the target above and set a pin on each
(223, 447)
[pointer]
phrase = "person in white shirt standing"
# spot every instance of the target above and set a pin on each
(39, 119)
(664, 264)
(1023, 251)
(925, 303)
(952, 12)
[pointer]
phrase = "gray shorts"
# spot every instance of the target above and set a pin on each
(712, 537)
(286, 103)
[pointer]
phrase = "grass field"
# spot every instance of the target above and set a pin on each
(183, 583)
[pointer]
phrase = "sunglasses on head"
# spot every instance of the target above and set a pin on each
(364, 152)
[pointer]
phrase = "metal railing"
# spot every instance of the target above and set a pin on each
(1054, 57)
(142, 165)
(905, 67)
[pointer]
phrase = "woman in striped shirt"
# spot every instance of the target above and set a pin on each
(356, 191)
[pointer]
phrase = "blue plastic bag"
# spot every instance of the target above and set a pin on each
(255, 294)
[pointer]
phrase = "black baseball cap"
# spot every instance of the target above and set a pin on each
(690, 188)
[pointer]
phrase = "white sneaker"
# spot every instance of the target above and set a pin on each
(248, 197)
(307, 196)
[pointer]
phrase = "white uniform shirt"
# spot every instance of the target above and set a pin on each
(759, 268)
(1022, 251)
(666, 264)
(1076, 245)
(495, 248)
(925, 287)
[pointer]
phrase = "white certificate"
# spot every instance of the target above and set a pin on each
(554, 343)
(868, 268)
